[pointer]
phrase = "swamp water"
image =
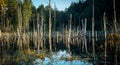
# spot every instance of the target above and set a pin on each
(24, 51)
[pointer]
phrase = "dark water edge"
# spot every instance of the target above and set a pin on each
(10, 50)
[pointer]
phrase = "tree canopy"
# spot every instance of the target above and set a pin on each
(13, 10)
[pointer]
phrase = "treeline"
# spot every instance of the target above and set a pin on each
(23, 15)
(82, 10)
(14, 13)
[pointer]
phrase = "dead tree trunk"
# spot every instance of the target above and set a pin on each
(66, 35)
(84, 41)
(44, 35)
(105, 30)
(41, 30)
(38, 33)
(85, 31)
(116, 31)
(50, 27)
(54, 24)
(19, 20)
(93, 42)
(115, 20)
(105, 35)
(54, 27)
(93, 21)
(69, 35)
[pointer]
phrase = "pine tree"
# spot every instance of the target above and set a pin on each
(27, 11)
(12, 6)
(2, 12)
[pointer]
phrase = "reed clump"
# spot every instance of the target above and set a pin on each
(41, 55)
(87, 59)
(114, 39)
(114, 36)
(26, 56)
(70, 58)
(28, 51)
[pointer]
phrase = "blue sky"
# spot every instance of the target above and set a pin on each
(60, 4)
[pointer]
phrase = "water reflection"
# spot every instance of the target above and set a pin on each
(93, 49)
(84, 44)
(100, 52)
(61, 58)
(105, 51)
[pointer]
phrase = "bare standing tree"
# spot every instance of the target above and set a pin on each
(93, 21)
(105, 33)
(50, 26)
(19, 19)
(41, 30)
(54, 25)
(116, 31)
(93, 42)
(69, 33)
(115, 22)
(55, 9)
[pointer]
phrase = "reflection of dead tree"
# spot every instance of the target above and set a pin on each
(84, 41)
(35, 39)
(77, 35)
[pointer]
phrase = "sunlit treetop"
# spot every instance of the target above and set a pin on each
(2, 5)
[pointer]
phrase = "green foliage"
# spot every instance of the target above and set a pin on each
(82, 10)
(2, 12)
(12, 12)
(27, 11)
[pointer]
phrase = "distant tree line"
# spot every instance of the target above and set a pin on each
(13, 13)
(82, 10)
(22, 14)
